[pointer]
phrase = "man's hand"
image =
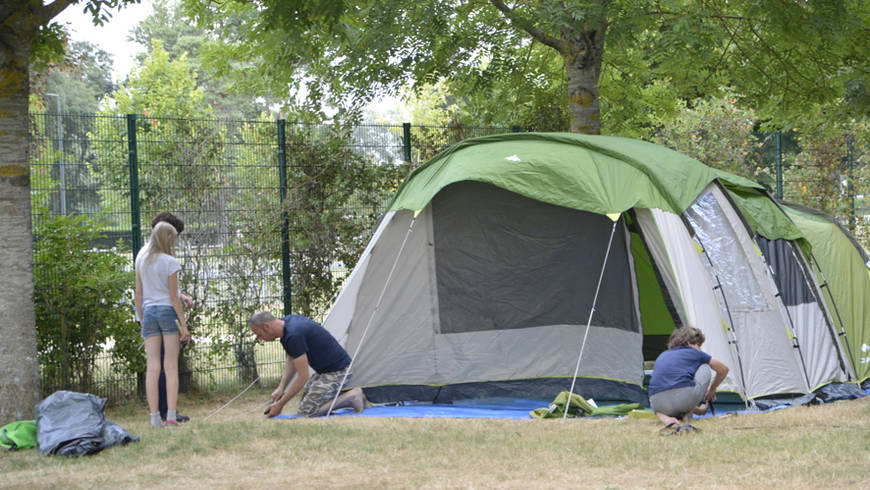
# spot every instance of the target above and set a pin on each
(187, 301)
(273, 410)
(279, 391)
(710, 396)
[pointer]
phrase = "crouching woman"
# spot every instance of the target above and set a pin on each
(681, 378)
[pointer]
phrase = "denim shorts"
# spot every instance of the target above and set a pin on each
(159, 320)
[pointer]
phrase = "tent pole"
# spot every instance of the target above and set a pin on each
(372, 316)
(792, 331)
(812, 284)
(589, 321)
(731, 335)
(844, 343)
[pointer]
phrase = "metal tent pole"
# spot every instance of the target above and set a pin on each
(589, 321)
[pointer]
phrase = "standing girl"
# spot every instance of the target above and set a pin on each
(158, 298)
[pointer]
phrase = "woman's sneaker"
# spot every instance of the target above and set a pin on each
(170, 424)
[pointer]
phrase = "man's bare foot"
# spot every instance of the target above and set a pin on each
(357, 400)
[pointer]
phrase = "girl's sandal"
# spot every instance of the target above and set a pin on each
(669, 430)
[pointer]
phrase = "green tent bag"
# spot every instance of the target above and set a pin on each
(18, 435)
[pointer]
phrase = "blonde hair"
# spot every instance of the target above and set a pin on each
(162, 241)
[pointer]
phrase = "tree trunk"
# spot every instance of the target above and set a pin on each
(582, 53)
(19, 366)
(246, 361)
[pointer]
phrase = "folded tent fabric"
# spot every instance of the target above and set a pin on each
(72, 424)
(580, 407)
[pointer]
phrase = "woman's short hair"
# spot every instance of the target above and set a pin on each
(685, 336)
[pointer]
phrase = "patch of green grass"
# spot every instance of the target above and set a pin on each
(805, 447)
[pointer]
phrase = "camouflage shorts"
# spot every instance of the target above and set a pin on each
(321, 389)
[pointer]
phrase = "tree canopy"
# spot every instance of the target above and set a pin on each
(180, 38)
(779, 57)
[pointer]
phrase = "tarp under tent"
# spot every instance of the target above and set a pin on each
(527, 263)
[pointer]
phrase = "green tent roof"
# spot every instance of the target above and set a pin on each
(600, 174)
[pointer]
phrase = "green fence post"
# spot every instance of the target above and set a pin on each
(285, 225)
(133, 164)
(851, 183)
(778, 139)
(406, 140)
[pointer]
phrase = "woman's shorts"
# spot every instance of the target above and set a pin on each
(159, 320)
(677, 402)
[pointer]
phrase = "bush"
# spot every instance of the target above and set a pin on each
(83, 299)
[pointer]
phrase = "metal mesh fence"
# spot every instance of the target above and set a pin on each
(252, 194)
(274, 216)
(828, 173)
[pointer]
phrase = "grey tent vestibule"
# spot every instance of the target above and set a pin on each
(523, 264)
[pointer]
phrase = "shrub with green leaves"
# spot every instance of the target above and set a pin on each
(83, 299)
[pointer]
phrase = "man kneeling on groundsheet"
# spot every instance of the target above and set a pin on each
(308, 344)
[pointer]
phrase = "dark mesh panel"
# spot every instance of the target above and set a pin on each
(787, 272)
(504, 261)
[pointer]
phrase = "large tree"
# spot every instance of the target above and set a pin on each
(778, 55)
(25, 34)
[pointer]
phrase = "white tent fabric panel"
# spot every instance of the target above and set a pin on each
(398, 342)
(821, 350)
(671, 246)
(839, 340)
(770, 363)
(340, 315)
(817, 345)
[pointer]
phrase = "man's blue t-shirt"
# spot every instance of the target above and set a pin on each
(675, 368)
(305, 336)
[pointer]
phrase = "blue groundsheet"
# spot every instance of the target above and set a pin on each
(490, 408)
(518, 409)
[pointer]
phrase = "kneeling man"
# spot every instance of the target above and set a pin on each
(308, 344)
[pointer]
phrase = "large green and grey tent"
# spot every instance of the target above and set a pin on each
(524, 264)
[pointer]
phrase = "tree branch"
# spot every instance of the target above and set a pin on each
(50, 11)
(523, 24)
(712, 16)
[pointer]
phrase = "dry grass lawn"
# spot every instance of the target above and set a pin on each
(824, 446)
